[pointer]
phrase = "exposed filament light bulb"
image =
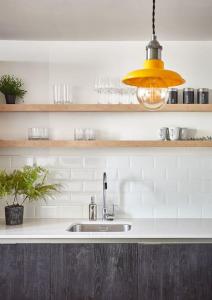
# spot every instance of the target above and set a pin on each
(153, 98)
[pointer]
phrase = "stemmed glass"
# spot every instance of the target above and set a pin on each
(99, 88)
(113, 91)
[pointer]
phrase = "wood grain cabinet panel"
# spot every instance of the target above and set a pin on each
(106, 272)
(116, 271)
(36, 271)
(24, 272)
(11, 273)
(175, 272)
(72, 272)
(94, 272)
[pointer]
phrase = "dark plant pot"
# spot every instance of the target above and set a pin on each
(14, 214)
(10, 99)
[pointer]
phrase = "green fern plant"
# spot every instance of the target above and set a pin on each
(11, 85)
(29, 182)
(4, 187)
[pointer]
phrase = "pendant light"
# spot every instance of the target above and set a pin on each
(153, 80)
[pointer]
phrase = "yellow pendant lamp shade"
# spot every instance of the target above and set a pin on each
(153, 75)
(153, 80)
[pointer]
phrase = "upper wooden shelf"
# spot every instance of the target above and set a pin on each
(100, 144)
(101, 108)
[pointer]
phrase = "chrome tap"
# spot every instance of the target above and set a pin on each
(105, 215)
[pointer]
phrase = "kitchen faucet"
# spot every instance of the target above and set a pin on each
(105, 215)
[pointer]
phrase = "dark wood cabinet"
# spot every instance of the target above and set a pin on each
(24, 272)
(11, 272)
(106, 272)
(175, 272)
(94, 271)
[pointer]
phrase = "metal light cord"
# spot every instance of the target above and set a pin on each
(153, 17)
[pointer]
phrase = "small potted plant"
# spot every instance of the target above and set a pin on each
(27, 184)
(12, 88)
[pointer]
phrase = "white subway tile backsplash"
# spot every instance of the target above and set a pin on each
(156, 184)
(179, 198)
(131, 205)
(21, 161)
(71, 161)
(118, 162)
(153, 173)
(168, 161)
(124, 185)
(205, 162)
(95, 162)
(92, 186)
(165, 211)
(29, 211)
(142, 186)
(144, 162)
(59, 199)
(152, 198)
(189, 162)
(46, 212)
(129, 174)
(204, 198)
(163, 185)
(71, 186)
(206, 211)
(5, 162)
(82, 197)
(82, 174)
(200, 173)
(72, 211)
(192, 185)
(47, 162)
(177, 174)
(207, 186)
(190, 211)
(59, 174)
(111, 173)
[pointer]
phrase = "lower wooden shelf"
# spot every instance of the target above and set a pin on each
(100, 144)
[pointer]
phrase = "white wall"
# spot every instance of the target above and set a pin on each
(144, 182)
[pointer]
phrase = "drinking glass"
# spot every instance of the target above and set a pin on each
(56, 94)
(174, 133)
(78, 134)
(38, 133)
(62, 93)
(99, 88)
(89, 134)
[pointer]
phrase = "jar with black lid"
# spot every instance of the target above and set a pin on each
(188, 96)
(173, 96)
(203, 96)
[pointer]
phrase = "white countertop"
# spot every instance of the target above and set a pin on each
(55, 230)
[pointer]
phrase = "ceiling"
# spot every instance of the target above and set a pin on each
(104, 20)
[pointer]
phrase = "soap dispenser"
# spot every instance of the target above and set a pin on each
(92, 210)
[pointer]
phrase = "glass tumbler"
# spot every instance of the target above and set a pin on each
(62, 93)
(38, 133)
(89, 134)
(78, 134)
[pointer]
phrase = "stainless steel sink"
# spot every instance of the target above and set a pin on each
(99, 227)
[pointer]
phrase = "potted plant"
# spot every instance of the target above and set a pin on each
(12, 88)
(27, 184)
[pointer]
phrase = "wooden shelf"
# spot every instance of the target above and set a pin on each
(101, 108)
(100, 144)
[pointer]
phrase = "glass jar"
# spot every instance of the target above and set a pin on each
(173, 96)
(203, 96)
(188, 96)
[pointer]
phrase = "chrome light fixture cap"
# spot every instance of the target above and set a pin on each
(153, 49)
